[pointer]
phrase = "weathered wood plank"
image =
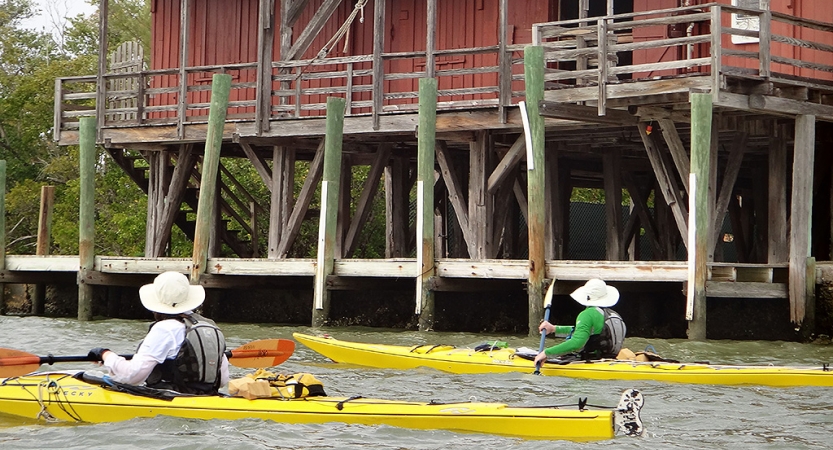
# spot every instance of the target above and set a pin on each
(733, 289)
(585, 113)
(781, 105)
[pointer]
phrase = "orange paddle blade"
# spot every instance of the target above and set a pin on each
(14, 363)
(262, 353)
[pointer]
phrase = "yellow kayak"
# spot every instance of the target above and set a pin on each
(466, 360)
(77, 398)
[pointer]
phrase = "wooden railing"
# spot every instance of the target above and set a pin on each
(696, 40)
(677, 42)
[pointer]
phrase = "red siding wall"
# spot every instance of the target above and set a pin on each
(225, 32)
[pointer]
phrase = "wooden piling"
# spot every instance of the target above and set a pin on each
(699, 214)
(329, 208)
(534, 76)
(801, 210)
(86, 216)
(426, 140)
(47, 205)
(220, 89)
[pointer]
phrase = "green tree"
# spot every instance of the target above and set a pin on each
(29, 64)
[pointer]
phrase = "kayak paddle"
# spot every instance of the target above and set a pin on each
(255, 354)
(547, 305)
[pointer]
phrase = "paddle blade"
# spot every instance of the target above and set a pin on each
(14, 363)
(548, 297)
(263, 353)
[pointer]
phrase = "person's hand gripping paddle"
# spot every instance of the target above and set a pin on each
(547, 305)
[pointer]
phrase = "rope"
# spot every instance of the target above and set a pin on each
(342, 31)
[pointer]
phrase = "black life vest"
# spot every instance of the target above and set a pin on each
(608, 343)
(196, 368)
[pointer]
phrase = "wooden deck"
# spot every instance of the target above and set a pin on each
(725, 279)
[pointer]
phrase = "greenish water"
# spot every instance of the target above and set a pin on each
(675, 415)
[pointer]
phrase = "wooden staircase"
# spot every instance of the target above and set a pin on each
(234, 211)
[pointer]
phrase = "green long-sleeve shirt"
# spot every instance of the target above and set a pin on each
(589, 322)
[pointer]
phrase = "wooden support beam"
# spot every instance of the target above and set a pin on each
(536, 170)
(612, 168)
(520, 197)
(430, 38)
(396, 207)
(329, 209)
(640, 208)
(101, 85)
(344, 203)
(504, 63)
(156, 201)
(185, 162)
(801, 209)
(294, 8)
(556, 200)
(426, 142)
(182, 98)
(378, 65)
(86, 214)
(265, 44)
(455, 193)
(315, 25)
(777, 244)
(669, 190)
(678, 153)
(280, 200)
(47, 206)
(363, 205)
(259, 164)
(220, 90)
(481, 203)
(293, 224)
(585, 113)
(786, 106)
(730, 175)
(507, 165)
(699, 216)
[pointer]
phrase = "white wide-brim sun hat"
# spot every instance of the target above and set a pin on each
(596, 293)
(171, 293)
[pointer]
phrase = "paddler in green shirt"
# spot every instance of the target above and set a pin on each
(589, 337)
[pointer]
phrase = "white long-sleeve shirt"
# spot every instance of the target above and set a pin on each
(162, 342)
